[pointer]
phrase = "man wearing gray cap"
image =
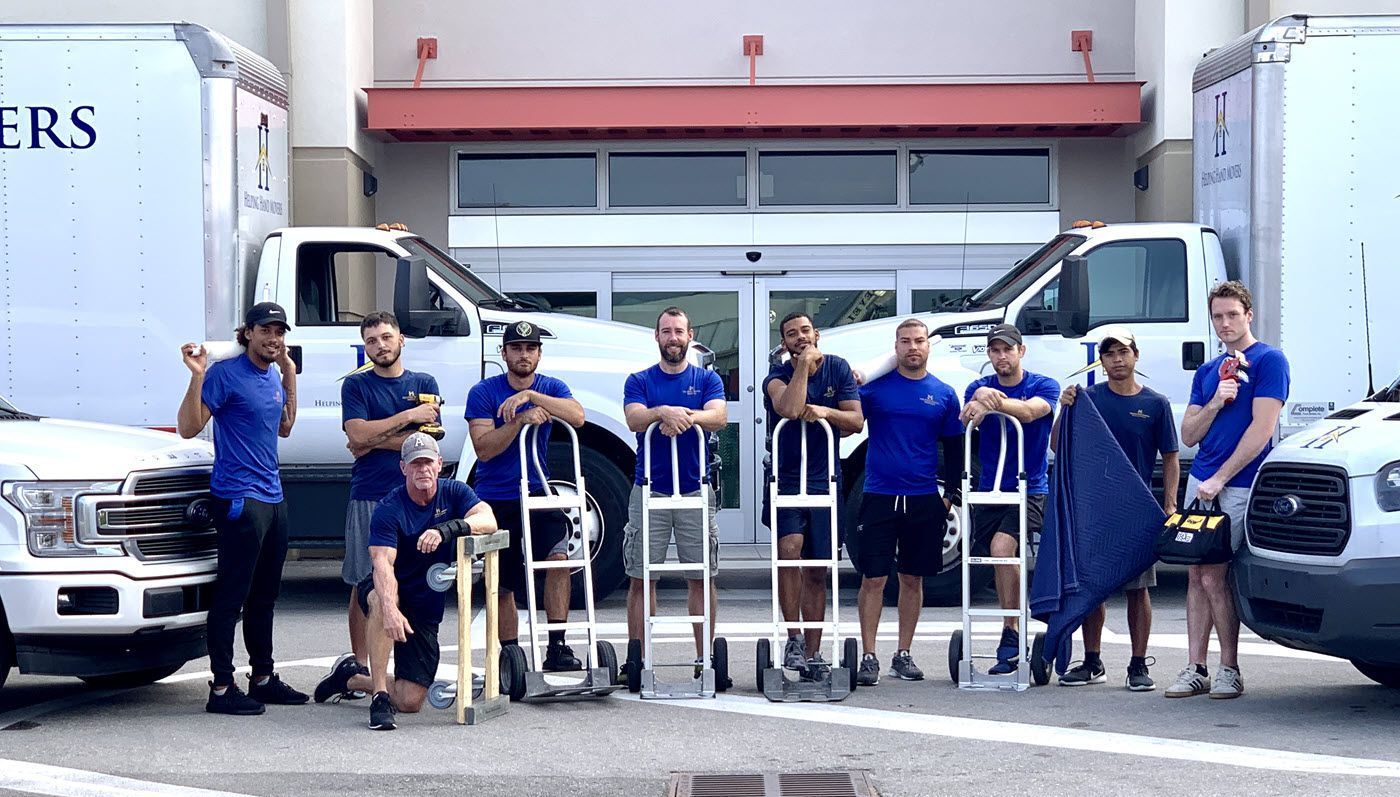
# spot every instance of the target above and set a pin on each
(252, 404)
(413, 528)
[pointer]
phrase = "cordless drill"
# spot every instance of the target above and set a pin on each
(1234, 367)
(433, 430)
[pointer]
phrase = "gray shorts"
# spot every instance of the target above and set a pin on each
(685, 523)
(1234, 501)
(1148, 579)
(357, 567)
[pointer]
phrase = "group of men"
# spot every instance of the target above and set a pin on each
(403, 517)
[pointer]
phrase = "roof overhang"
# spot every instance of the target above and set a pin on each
(546, 113)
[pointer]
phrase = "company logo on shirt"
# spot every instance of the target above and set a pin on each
(692, 391)
(1140, 414)
(830, 392)
(929, 400)
(439, 513)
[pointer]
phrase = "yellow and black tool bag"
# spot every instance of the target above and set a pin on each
(1197, 536)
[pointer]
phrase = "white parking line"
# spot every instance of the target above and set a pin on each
(1045, 736)
(31, 778)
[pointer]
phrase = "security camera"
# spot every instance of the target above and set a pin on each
(754, 256)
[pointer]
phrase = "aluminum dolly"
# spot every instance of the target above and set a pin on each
(600, 678)
(840, 681)
(442, 694)
(1031, 665)
(641, 664)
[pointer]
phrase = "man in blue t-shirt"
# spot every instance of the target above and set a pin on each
(1232, 422)
(500, 409)
(1029, 398)
(678, 397)
(903, 516)
(809, 387)
(379, 408)
(1140, 419)
(252, 403)
(415, 527)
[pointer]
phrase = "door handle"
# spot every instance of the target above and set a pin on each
(1193, 355)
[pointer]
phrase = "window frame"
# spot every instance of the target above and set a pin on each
(1117, 319)
(1049, 175)
(456, 197)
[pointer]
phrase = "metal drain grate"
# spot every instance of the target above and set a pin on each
(786, 784)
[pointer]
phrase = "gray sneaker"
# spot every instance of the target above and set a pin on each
(817, 669)
(1138, 680)
(795, 655)
(869, 672)
(1189, 682)
(1229, 683)
(903, 666)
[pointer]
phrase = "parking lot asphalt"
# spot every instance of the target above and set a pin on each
(1306, 723)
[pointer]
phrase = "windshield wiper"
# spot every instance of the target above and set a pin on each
(509, 303)
(7, 414)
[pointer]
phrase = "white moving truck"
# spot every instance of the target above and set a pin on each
(144, 173)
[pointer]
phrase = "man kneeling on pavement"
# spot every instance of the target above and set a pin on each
(413, 528)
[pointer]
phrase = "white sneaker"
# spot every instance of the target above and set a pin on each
(1229, 683)
(1189, 682)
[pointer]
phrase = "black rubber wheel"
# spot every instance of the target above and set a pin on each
(1383, 674)
(955, 654)
(850, 658)
(1040, 668)
(609, 488)
(128, 680)
(513, 669)
(634, 665)
(607, 659)
(763, 659)
(719, 649)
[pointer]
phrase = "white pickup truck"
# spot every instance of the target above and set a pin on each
(106, 549)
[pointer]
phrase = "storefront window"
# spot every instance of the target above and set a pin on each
(557, 180)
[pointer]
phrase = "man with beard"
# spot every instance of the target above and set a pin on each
(810, 386)
(1140, 419)
(499, 409)
(1029, 398)
(677, 395)
(251, 404)
(910, 411)
(379, 408)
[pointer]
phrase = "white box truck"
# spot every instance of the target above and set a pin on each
(144, 181)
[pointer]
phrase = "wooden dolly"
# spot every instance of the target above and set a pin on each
(442, 694)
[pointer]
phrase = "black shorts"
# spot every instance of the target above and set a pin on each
(549, 531)
(416, 659)
(909, 528)
(813, 524)
(988, 520)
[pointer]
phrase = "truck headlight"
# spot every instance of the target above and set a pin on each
(50, 523)
(1388, 487)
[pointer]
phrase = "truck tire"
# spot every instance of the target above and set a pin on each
(128, 680)
(1383, 674)
(608, 491)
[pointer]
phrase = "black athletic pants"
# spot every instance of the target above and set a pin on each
(252, 548)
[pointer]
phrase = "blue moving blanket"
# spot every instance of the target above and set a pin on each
(1100, 531)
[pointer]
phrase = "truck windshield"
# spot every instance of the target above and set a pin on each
(1016, 281)
(458, 276)
(6, 406)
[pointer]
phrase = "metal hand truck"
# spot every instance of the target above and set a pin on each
(1030, 664)
(839, 682)
(713, 672)
(600, 679)
(441, 576)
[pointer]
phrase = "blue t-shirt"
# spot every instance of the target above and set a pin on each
(396, 523)
(1037, 434)
(246, 405)
(1268, 378)
(692, 389)
(832, 384)
(906, 419)
(367, 396)
(1142, 424)
(498, 479)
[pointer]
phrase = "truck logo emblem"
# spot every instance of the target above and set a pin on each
(1329, 437)
(264, 160)
(1287, 506)
(1222, 131)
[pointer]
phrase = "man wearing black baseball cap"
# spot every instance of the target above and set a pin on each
(251, 404)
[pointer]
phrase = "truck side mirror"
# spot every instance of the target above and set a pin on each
(1072, 315)
(413, 304)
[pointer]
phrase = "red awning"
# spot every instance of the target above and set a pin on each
(764, 111)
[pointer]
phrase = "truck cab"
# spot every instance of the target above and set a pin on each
(107, 549)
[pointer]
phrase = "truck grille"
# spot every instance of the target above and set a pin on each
(159, 515)
(1287, 615)
(185, 546)
(1302, 509)
(157, 482)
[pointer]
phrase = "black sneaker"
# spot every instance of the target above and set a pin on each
(869, 672)
(1083, 673)
(381, 713)
(560, 658)
(275, 692)
(232, 701)
(1138, 679)
(816, 669)
(903, 666)
(337, 682)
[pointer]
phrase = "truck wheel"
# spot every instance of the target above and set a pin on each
(128, 680)
(1383, 674)
(608, 491)
(7, 648)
